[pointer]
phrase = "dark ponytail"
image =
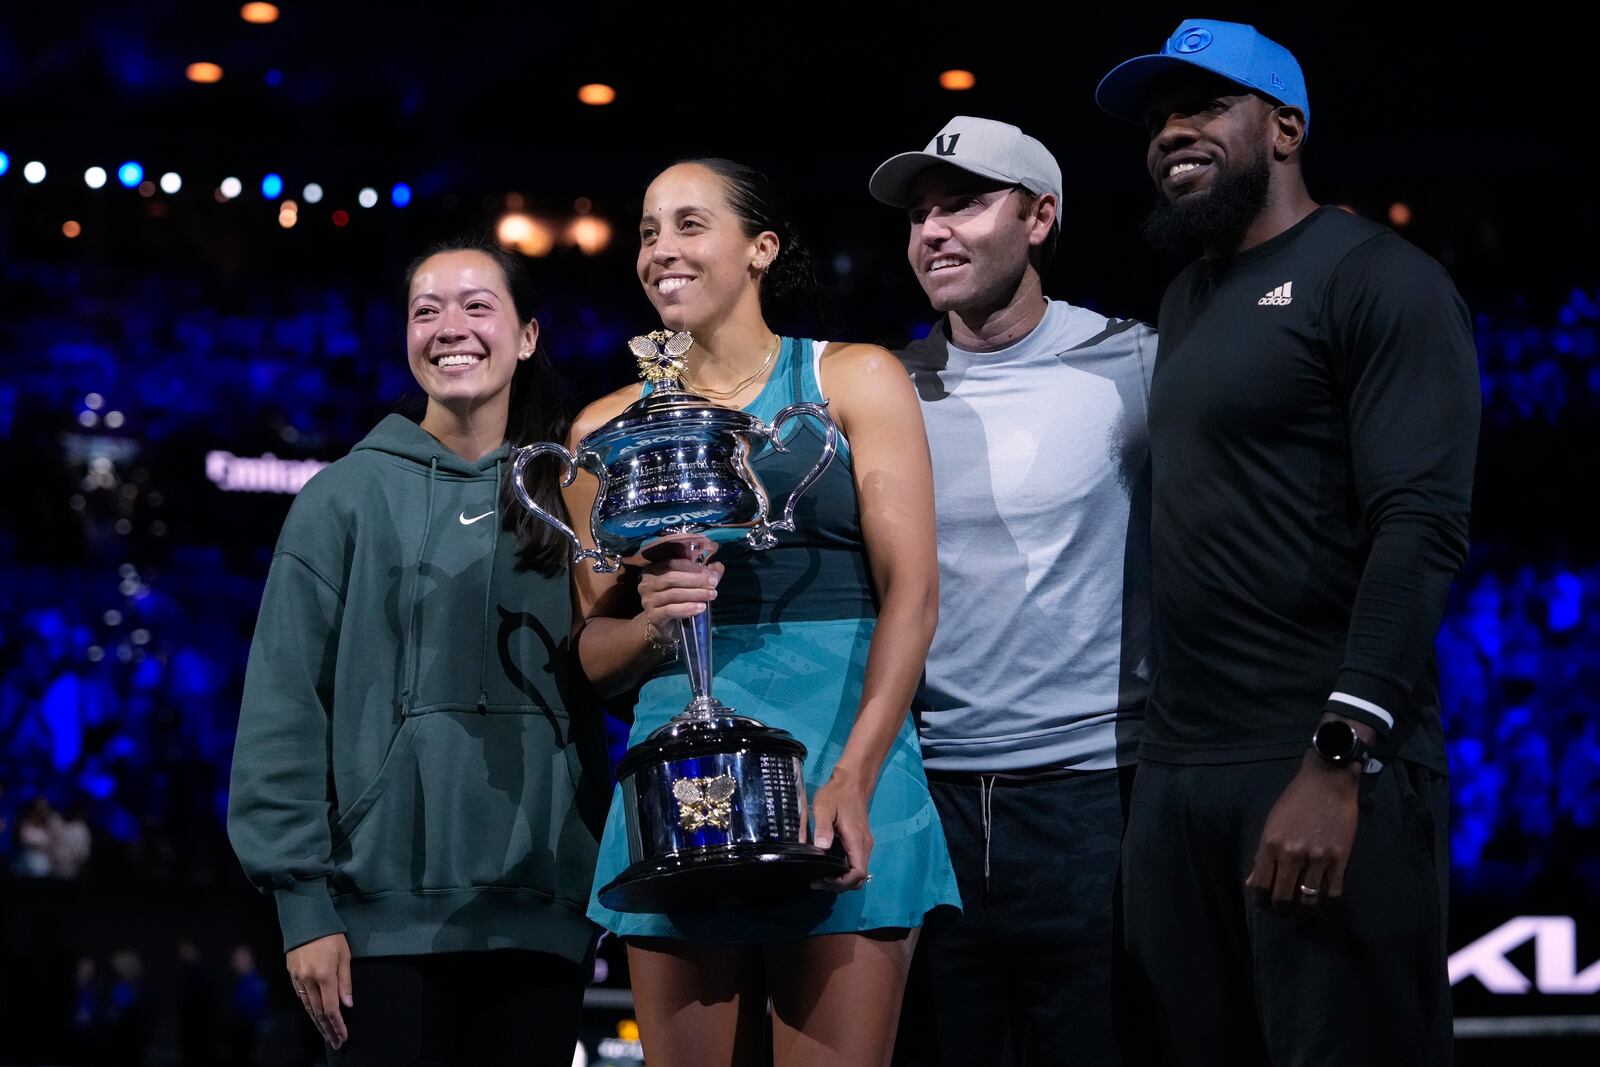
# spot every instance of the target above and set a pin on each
(789, 289)
(537, 412)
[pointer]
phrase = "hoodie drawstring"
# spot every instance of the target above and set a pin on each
(488, 586)
(408, 692)
(986, 810)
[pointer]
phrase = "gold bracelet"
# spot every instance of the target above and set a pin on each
(665, 649)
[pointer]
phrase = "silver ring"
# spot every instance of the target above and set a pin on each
(1307, 891)
(300, 989)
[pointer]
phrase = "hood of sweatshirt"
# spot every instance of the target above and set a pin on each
(403, 439)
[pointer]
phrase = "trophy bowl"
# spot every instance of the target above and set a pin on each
(714, 802)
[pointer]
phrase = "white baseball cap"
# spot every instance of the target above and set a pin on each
(979, 146)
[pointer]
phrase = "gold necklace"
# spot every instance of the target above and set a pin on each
(717, 394)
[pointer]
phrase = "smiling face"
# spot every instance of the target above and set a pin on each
(1201, 127)
(969, 241)
(1210, 157)
(696, 262)
(463, 339)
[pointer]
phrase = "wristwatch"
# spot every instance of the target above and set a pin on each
(1337, 742)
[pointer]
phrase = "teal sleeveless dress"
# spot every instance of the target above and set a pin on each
(791, 627)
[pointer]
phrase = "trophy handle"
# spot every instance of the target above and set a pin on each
(761, 537)
(603, 562)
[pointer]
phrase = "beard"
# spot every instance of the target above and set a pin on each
(1212, 218)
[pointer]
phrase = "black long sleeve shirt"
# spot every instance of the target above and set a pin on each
(1313, 430)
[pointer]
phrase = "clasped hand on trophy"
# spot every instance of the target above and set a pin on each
(678, 583)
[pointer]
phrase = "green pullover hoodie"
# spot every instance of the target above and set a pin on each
(413, 768)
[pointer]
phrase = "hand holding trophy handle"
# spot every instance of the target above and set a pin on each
(761, 536)
(604, 563)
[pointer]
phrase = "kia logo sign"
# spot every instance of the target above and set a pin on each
(1555, 958)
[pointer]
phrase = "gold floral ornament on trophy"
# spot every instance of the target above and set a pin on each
(715, 802)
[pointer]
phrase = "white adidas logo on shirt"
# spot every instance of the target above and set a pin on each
(1282, 295)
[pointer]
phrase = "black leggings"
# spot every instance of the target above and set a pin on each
(454, 1008)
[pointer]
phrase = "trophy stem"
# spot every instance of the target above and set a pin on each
(694, 634)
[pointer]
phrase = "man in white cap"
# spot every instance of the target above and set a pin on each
(1035, 685)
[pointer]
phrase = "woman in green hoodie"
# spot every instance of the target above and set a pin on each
(414, 780)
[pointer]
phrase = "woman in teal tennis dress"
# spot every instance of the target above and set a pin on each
(823, 635)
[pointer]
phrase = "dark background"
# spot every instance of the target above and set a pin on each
(129, 582)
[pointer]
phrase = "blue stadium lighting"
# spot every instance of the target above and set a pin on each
(130, 175)
(272, 186)
(5, 162)
(400, 195)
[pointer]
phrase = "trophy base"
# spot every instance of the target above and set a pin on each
(729, 876)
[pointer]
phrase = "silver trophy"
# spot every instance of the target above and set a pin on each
(715, 801)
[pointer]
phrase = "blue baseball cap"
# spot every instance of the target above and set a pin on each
(1229, 49)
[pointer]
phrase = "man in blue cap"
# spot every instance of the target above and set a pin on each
(1313, 429)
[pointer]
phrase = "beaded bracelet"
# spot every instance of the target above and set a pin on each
(665, 649)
